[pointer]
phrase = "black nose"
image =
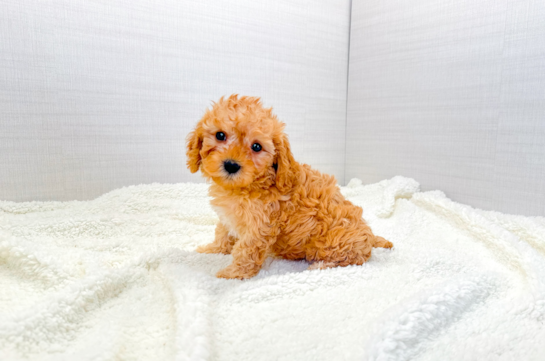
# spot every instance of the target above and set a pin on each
(231, 167)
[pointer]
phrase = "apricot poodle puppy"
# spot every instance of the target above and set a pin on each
(267, 203)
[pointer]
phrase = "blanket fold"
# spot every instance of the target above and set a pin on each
(117, 278)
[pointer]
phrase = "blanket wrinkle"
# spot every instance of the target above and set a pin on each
(118, 277)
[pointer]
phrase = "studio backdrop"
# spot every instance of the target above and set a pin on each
(96, 95)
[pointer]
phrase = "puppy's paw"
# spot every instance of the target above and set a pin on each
(322, 265)
(211, 248)
(204, 249)
(232, 271)
(381, 242)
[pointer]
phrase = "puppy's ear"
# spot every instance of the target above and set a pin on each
(194, 145)
(285, 163)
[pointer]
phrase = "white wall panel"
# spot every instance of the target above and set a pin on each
(451, 93)
(95, 95)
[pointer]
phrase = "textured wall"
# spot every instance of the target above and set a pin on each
(95, 95)
(98, 95)
(451, 93)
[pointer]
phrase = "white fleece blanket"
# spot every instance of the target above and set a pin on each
(117, 278)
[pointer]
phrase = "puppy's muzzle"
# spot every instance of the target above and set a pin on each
(231, 167)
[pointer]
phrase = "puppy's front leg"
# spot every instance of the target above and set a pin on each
(223, 243)
(249, 253)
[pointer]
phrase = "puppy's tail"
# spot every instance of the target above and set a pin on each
(381, 242)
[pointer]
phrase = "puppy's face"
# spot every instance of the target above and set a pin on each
(236, 142)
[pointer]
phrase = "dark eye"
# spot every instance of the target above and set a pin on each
(256, 147)
(220, 136)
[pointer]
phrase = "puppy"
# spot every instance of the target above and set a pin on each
(267, 203)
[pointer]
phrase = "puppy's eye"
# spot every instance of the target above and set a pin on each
(256, 147)
(220, 136)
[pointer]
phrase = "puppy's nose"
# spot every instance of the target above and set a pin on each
(231, 167)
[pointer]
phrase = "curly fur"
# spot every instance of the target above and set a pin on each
(273, 205)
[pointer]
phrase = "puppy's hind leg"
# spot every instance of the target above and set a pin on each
(381, 242)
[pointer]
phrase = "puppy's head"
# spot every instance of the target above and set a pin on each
(238, 142)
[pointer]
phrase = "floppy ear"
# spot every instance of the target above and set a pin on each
(285, 163)
(194, 145)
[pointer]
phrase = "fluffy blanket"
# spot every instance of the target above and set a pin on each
(117, 278)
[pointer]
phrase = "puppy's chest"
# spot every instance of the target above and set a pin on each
(227, 218)
(242, 217)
